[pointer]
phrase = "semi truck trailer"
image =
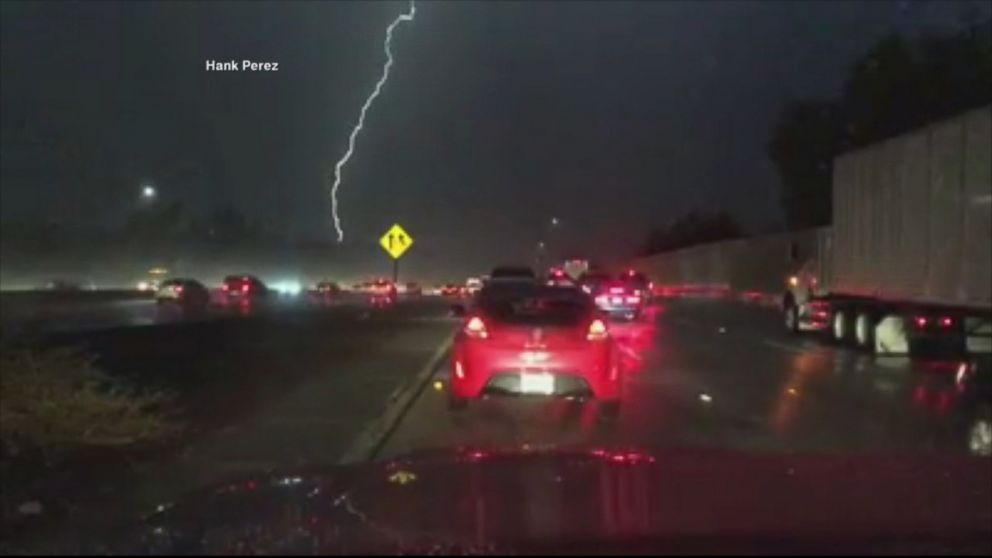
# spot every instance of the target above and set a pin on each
(906, 266)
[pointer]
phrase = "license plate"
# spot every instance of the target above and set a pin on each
(537, 383)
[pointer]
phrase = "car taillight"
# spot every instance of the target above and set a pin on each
(602, 299)
(633, 300)
(616, 290)
(920, 322)
(946, 322)
(245, 287)
(223, 287)
(597, 331)
(476, 328)
(179, 289)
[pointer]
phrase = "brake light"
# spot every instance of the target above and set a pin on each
(616, 290)
(602, 299)
(597, 331)
(223, 287)
(476, 328)
(920, 321)
(633, 300)
(245, 287)
(946, 321)
(179, 289)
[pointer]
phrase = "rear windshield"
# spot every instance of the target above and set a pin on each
(534, 305)
(637, 280)
(595, 278)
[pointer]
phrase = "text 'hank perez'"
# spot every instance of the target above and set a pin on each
(240, 66)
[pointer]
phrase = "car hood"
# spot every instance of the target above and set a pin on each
(608, 500)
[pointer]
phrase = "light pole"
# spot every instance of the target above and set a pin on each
(539, 256)
(553, 225)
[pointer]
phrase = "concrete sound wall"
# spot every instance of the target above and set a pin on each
(758, 264)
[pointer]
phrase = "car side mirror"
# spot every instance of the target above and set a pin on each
(458, 310)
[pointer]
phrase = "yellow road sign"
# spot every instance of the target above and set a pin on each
(396, 241)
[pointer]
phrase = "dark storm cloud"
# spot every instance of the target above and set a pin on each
(613, 116)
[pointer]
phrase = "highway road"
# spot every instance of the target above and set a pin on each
(716, 374)
(307, 385)
(41, 312)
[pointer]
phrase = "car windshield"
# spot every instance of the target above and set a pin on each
(534, 305)
(638, 280)
(421, 276)
(595, 278)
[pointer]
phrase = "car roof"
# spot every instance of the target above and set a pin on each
(511, 271)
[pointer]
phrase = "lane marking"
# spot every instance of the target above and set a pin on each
(375, 435)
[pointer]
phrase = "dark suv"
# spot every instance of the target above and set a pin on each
(243, 287)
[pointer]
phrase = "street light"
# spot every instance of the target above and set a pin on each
(148, 192)
(554, 221)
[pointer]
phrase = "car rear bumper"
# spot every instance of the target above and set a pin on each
(478, 368)
(628, 311)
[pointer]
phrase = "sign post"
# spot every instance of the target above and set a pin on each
(396, 242)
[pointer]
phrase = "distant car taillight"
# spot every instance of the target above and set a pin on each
(616, 290)
(245, 288)
(223, 287)
(597, 331)
(476, 328)
(946, 322)
(633, 300)
(920, 322)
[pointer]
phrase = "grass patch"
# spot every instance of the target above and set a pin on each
(56, 401)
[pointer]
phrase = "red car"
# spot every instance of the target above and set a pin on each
(452, 290)
(382, 292)
(532, 339)
(243, 288)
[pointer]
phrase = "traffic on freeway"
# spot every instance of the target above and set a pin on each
(496, 278)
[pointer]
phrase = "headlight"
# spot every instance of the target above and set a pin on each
(289, 287)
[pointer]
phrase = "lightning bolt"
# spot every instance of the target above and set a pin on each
(408, 16)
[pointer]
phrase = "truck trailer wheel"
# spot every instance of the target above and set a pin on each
(839, 327)
(864, 332)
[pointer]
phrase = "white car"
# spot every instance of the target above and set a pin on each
(473, 285)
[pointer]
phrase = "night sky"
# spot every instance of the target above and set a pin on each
(497, 116)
